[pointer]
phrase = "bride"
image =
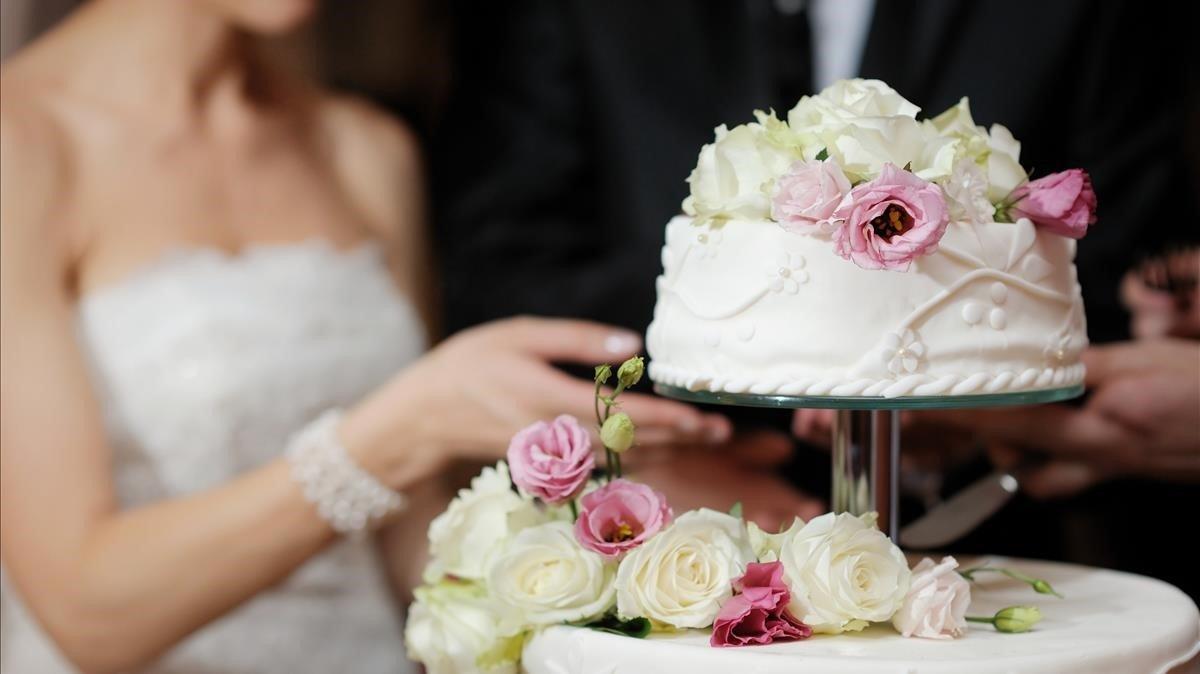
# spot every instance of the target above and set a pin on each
(202, 261)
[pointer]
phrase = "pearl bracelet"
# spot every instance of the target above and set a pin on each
(346, 496)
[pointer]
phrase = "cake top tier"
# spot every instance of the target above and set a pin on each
(852, 250)
(854, 165)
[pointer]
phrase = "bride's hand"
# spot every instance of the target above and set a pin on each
(468, 396)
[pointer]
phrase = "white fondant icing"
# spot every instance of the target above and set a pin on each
(1023, 239)
(1034, 269)
(1108, 623)
(745, 331)
(833, 338)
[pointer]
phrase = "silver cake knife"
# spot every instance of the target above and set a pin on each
(960, 514)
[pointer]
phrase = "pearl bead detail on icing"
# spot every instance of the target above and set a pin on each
(972, 313)
(998, 319)
(999, 292)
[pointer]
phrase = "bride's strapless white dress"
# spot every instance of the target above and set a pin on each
(205, 364)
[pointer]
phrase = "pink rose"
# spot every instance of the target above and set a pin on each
(936, 604)
(1063, 203)
(808, 195)
(758, 614)
(551, 461)
(890, 221)
(620, 516)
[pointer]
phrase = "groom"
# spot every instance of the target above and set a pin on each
(572, 125)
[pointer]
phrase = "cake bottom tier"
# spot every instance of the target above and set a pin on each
(1108, 622)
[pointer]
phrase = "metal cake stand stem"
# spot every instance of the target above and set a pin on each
(866, 437)
(866, 465)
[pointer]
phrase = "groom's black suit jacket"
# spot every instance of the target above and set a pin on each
(572, 125)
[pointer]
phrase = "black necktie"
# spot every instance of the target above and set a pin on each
(791, 50)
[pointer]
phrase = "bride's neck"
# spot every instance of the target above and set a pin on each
(169, 56)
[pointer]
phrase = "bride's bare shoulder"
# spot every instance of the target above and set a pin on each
(34, 160)
(34, 179)
(377, 157)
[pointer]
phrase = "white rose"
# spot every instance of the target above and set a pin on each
(997, 152)
(765, 545)
(936, 605)
(864, 124)
(545, 574)
(843, 573)
(957, 123)
(455, 628)
(682, 575)
(863, 147)
(1003, 164)
(476, 524)
(847, 100)
(735, 174)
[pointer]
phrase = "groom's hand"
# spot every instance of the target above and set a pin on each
(1142, 419)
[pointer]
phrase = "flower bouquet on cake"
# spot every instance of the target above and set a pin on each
(548, 539)
(854, 165)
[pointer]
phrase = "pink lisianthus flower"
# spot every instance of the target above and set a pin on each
(620, 516)
(807, 196)
(890, 221)
(936, 604)
(1063, 203)
(758, 613)
(551, 461)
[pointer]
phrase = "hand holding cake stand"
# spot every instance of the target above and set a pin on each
(866, 437)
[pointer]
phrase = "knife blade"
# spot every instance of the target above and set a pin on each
(960, 514)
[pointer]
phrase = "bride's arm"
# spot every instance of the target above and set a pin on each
(115, 588)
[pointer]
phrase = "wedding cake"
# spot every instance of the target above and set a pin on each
(852, 250)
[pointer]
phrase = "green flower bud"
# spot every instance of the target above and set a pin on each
(617, 432)
(603, 372)
(1017, 618)
(631, 371)
(1042, 587)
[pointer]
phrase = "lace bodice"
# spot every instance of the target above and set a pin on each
(205, 363)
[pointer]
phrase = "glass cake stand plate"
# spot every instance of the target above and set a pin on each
(866, 436)
(1038, 397)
